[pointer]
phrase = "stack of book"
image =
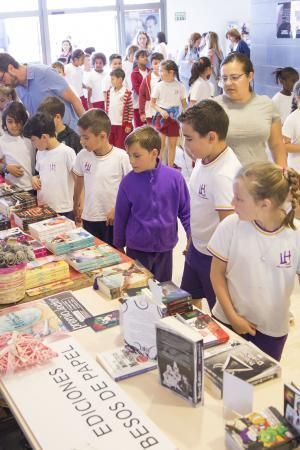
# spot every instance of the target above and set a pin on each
(92, 258)
(176, 300)
(69, 241)
(9, 189)
(45, 230)
(32, 215)
(180, 359)
(119, 280)
(45, 271)
(243, 360)
(16, 202)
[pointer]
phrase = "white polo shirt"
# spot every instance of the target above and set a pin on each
(200, 90)
(94, 80)
(169, 94)
(55, 169)
(291, 129)
(20, 152)
(102, 177)
(211, 191)
(116, 105)
(74, 76)
(260, 273)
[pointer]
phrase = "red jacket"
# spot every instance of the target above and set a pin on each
(145, 93)
(136, 79)
(127, 112)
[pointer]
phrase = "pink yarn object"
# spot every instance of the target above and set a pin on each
(21, 350)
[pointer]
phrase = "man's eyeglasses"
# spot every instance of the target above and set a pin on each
(234, 78)
(2, 77)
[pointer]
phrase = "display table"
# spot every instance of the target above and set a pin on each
(187, 427)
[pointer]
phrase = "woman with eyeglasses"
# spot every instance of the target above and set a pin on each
(254, 121)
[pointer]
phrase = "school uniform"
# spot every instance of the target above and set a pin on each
(120, 112)
(147, 224)
(284, 105)
(70, 138)
(102, 176)
(291, 129)
(147, 86)
(137, 77)
(95, 83)
(211, 190)
(57, 183)
(260, 279)
(74, 76)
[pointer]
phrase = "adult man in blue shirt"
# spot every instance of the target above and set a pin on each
(34, 82)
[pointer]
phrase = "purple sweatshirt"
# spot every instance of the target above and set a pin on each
(148, 204)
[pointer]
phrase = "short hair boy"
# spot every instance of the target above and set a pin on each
(95, 80)
(205, 127)
(146, 112)
(54, 163)
(56, 108)
(99, 169)
(150, 199)
(115, 62)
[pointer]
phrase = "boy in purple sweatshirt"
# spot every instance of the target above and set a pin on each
(150, 199)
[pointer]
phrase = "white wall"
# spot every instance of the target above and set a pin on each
(204, 15)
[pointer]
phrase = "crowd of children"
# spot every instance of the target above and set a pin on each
(113, 178)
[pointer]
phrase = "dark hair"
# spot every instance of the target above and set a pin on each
(264, 179)
(198, 68)
(16, 111)
(151, 17)
(39, 124)
(140, 53)
(168, 64)
(5, 60)
(146, 136)
(194, 37)
(114, 56)
(62, 59)
(118, 73)
(52, 105)
(241, 58)
(161, 37)
(69, 42)
(98, 55)
(157, 56)
(283, 73)
(131, 50)
(89, 50)
(206, 116)
(78, 53)
(96, 120)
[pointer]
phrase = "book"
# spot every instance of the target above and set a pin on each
(94, 257)
(211, 332)
(39, 274)
(4, 222)
(292, 405)
(45, 230)
(243, 360)
(70, 240)
(16, 202)
(258, 431)
(180, 359)
(121, 363)
(26, 217)
(114, 281)
(9, 189)
(104, 321)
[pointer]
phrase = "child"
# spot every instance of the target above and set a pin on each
(150, 199)
(148, 84)
(204, 127)
(7, 94)
(74, 75)
(59, 67)
(253, 284)
(17, 154)
(95, 80)
(291, 131)
(287, 77)
(200, 87)
(119, 109)
(167, 97)
(137, 76)
(115, 62)
(56, 108)
(127, 65)
(98, 168)
(54, 163)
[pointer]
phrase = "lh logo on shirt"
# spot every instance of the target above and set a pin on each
(52, 167)
(202, 191)
(87, 167)
(285, 259)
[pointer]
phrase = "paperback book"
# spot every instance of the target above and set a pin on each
(71, 240)
(36, 214)
(47, 229)
(50, 272)
(121, 363)
(211, 332)
(16, 202)
(180, 359)
(244, 361)
(8, 189)
(114, 281)
(292, 405)
(94, 257)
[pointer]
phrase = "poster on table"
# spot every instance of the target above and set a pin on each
(73, 403)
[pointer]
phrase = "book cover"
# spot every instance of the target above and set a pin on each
(211, 332)
(114, 281)
(8, 189)
(94, 257)
(121, 363)
(245, 361)
(292, 405)
(47, 229)
(31, 215)
(70, 240)
(172, 293)
(180, 359)
(104, 321)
